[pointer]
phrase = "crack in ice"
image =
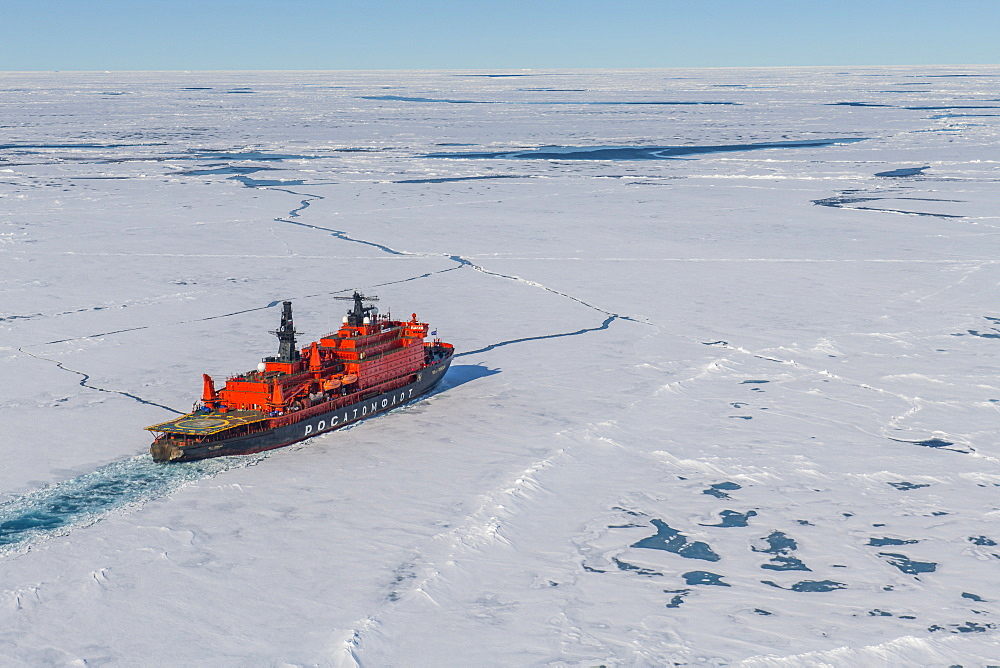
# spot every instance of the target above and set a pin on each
(86, 377)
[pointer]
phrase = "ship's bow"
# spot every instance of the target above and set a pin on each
(163, 450)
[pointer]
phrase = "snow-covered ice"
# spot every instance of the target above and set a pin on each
(727, 391)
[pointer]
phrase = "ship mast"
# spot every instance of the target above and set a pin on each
(287, 352)
(356, 317)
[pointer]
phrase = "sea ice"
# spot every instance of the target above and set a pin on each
(801, 324)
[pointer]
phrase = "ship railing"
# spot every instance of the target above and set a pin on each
(374, 357)
(339, 402)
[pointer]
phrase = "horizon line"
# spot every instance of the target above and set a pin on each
(493, 69)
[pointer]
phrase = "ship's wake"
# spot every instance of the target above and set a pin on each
(57, 509)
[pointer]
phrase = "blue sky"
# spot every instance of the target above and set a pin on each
(505, 34)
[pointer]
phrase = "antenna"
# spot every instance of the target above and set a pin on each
(356, 316)
(287, 352)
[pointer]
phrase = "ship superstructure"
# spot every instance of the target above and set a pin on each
(371, 364)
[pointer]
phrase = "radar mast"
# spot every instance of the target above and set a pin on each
(356, 316)
(287, 351)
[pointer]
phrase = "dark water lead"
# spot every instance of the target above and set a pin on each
(678, 598)
(703, 578)
(810, 585)
(882, 542)
(904, 171)
(906, 486)
(716, 489)
(671, 540)
(781, 547)
(857, 104)
(265, 183)
(783, 563)
(847, 199)
(604, 325)
(56, 509)
(638, 570)
(939, 444)
(229, 169)
(777, 543)
(968, 627)
(907, 565)
(450, 179)
(983, 335)
(404, 98)
(938, 116)
(635, 152)
(953, 106)
(934, 443)
(37, 146)
(731, 519)
(260, 156)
